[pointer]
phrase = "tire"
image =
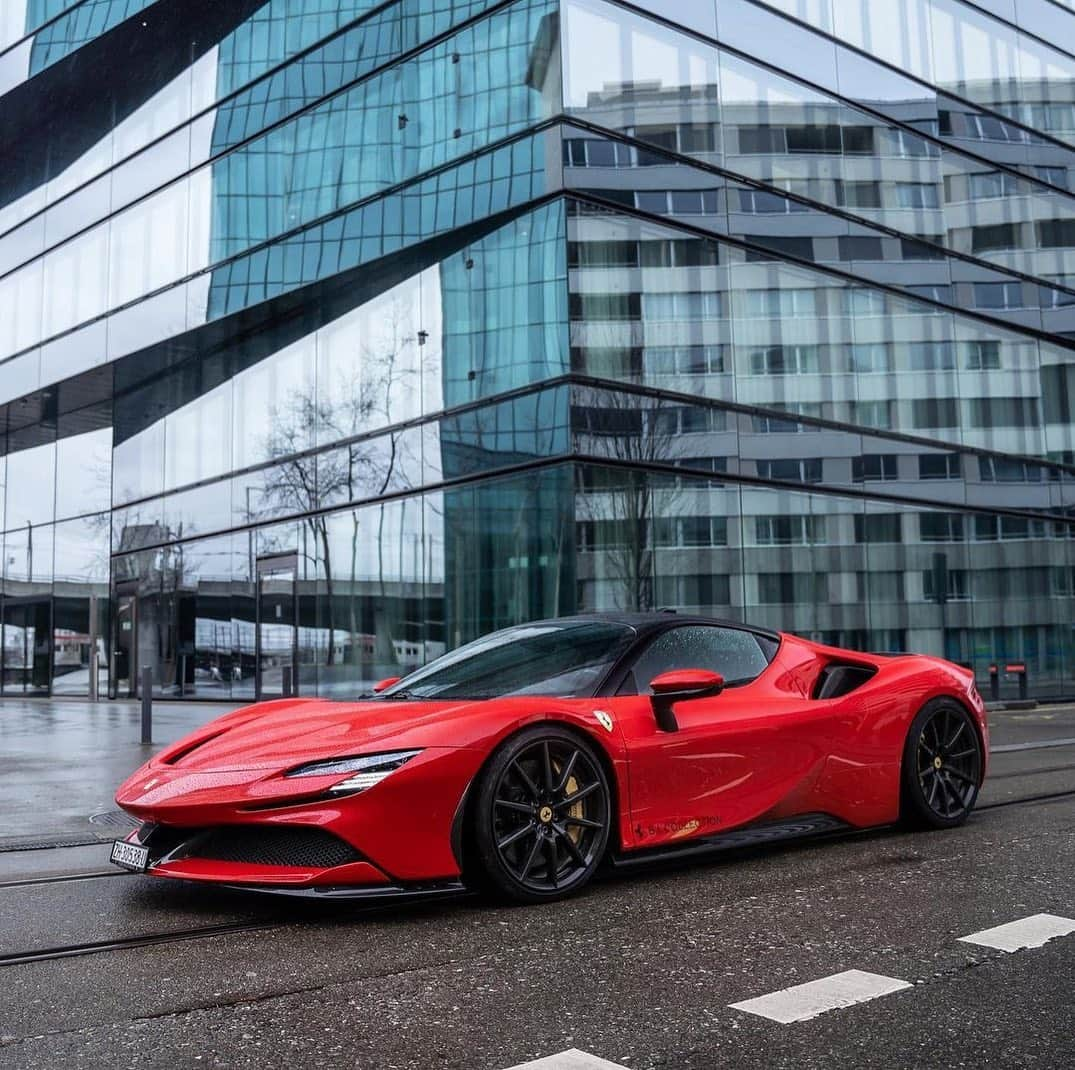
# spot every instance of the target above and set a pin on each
(542, 816)
(942, 766)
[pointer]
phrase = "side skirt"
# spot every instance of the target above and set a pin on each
(749, 836)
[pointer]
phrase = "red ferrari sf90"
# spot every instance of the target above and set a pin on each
(525, 761)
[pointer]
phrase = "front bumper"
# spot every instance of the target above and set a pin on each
(174, 854)
(252, 829)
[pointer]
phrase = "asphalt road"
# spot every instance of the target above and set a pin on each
(640, 972)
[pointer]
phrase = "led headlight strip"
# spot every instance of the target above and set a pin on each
(368, 769)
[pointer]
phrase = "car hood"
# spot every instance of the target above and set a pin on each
(278, 735)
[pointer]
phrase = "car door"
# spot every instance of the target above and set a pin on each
(735, 756)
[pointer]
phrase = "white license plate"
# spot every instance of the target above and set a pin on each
(130, 856)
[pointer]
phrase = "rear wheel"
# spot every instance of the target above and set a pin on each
(942, 766)
(542, 816)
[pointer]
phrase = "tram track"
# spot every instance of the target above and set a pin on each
(61, 878)
(67, 951)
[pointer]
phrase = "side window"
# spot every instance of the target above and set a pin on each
(736, 655)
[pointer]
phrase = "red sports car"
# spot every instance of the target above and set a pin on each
(528, 759)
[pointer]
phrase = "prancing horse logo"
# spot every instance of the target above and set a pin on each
(604, 719)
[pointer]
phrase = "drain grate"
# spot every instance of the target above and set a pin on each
(114, 819)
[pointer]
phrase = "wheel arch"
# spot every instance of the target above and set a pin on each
(463, 821)
(958, 700)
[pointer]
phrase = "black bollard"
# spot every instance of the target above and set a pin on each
(147, 706)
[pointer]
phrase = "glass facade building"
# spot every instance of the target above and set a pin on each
(335, 333)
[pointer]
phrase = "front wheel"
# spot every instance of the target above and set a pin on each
(942, 766)
(542, 817)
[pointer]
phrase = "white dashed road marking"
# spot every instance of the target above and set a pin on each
(800, 1002)
(1027, 932)
(572, 1059)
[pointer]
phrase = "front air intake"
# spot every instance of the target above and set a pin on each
(291, 845)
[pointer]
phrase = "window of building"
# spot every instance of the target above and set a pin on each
(784, 360)
(703, 531)
(917, 195)
(870, 357)
(681, 305)
(800, 247)
(865, 303)
(995, 237)
(930, 356)
(683, 360)
(793, 470)
(988, 185)
(1055, 176)
(698, 589)
(768, 423)
(789, 530)
(1056, 233)
(957, 586)
(599, 307)
(678, 252)
(876, 414)
(602, 254)
(990, 128)
(874, 467)
(857, 194)
(920, 250)
(879, 527)
(939, 466)
(1009, 470)
(879, 586)
(1003, 412)
(941, 527)
(716, 465)
(981, 355)
(784, 303)
(761, 202)
(687, 419)
(594, 152)
(793, 588)
(900, 142)
(824, 139)
(860, 247)
(932, 413)
(998, 295)
(762, 140)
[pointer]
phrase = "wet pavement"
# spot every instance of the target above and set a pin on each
(61, 761)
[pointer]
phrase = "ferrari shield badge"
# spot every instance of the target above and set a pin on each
(603, 719)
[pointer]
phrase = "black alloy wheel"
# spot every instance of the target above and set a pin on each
(542, 816)
(942, 765)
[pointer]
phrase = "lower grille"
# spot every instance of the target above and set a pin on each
(310, 848)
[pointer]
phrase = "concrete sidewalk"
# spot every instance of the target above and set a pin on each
(61, 760)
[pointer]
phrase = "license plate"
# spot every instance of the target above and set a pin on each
(130, 856)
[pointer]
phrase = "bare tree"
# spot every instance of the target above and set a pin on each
(363, 466)
(620, 503)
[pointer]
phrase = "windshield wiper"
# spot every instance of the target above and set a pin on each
(404, 694)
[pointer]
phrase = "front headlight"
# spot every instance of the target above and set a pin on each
(368, 769)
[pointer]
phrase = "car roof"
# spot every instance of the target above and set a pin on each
(644, 621)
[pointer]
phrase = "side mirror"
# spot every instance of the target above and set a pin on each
(385, 684)
(679, 685)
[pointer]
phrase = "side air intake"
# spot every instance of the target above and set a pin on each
(841, 678)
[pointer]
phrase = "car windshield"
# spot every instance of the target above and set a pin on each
(564, 659)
